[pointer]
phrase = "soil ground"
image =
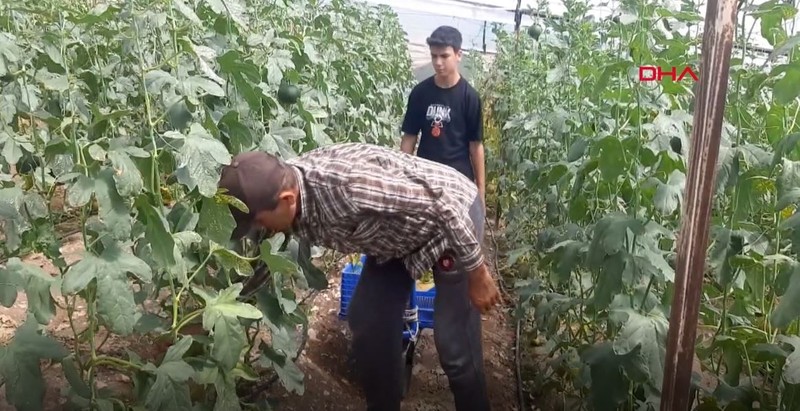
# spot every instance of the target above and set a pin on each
(328, 385)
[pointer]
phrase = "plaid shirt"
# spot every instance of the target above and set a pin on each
(383, 202)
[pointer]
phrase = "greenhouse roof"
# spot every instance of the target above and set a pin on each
(472, 17)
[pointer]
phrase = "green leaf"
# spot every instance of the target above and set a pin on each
(36, 283)
(278, 262)
(788, 308)
(113, 212)
(610, 234)
(73, 376)
(290, 376)
(232, 8)
(158, 81)
(216, 221)
(279, 62)
(785, 47)
(12, 148)
(182, 254)
(669, 196)
(156, 231)
(10, 52)
(229, 341)
(577, 149)
(648, 335)
(608, 382)
(20, 365)
(227, 397)
(609, 279)
(11, 217)
(199, 159)
(53, 81)
(221, 317)
(787, 88)
(170, 390)
(197, 86)
(785, 146)
(80, 191)
(127, 178)
(289, 133)
(791, 367)
(115, 302)
(612, 158)
(240, 136)
(792, 196)
(567, 258)
(187, 11)
(316, 278)
(319, 135)
(230, 260)
(225, 304)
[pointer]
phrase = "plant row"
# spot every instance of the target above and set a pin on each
(120, 115)
(589, 172)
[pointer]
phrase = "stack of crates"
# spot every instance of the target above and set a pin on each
(352, 272)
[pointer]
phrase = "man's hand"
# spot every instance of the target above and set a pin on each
(483, 289)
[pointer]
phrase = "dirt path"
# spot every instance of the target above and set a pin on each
(328, 386)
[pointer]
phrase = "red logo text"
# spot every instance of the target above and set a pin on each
(653, 73)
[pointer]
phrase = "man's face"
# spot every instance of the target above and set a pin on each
(281, 218)
(445, 60)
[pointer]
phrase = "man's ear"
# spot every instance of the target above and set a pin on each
(288, 195)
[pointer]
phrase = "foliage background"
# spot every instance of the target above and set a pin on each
(588, 167)
(126, 111)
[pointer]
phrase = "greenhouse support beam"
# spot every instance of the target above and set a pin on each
(720, 25)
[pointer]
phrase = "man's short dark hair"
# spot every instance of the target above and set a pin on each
(445, 36)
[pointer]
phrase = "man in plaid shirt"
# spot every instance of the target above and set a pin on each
(408, 215)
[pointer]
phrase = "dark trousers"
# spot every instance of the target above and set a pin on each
(376, 322)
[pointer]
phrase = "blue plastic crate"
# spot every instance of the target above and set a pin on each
(350, 275)
(352, 272)
(425, 303)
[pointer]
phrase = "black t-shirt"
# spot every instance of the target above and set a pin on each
(449, 119)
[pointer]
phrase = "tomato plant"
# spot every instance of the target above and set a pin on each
(129, 110)
(590, 171)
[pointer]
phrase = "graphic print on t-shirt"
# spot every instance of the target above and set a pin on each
(438, 115)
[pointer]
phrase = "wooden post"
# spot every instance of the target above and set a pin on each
(720, 24)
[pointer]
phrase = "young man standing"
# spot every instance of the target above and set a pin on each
(447, 110)
(408, 215)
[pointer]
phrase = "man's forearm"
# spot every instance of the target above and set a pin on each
(479, 166)
(407, 143)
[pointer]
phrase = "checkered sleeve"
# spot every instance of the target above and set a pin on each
(461, 238)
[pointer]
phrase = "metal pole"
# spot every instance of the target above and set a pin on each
(720, 24)
(484, 37)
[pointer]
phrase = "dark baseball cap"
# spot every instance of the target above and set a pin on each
(255, 178)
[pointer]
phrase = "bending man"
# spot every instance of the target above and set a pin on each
(408, 215)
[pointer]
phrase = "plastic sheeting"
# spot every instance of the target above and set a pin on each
(474, 18)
